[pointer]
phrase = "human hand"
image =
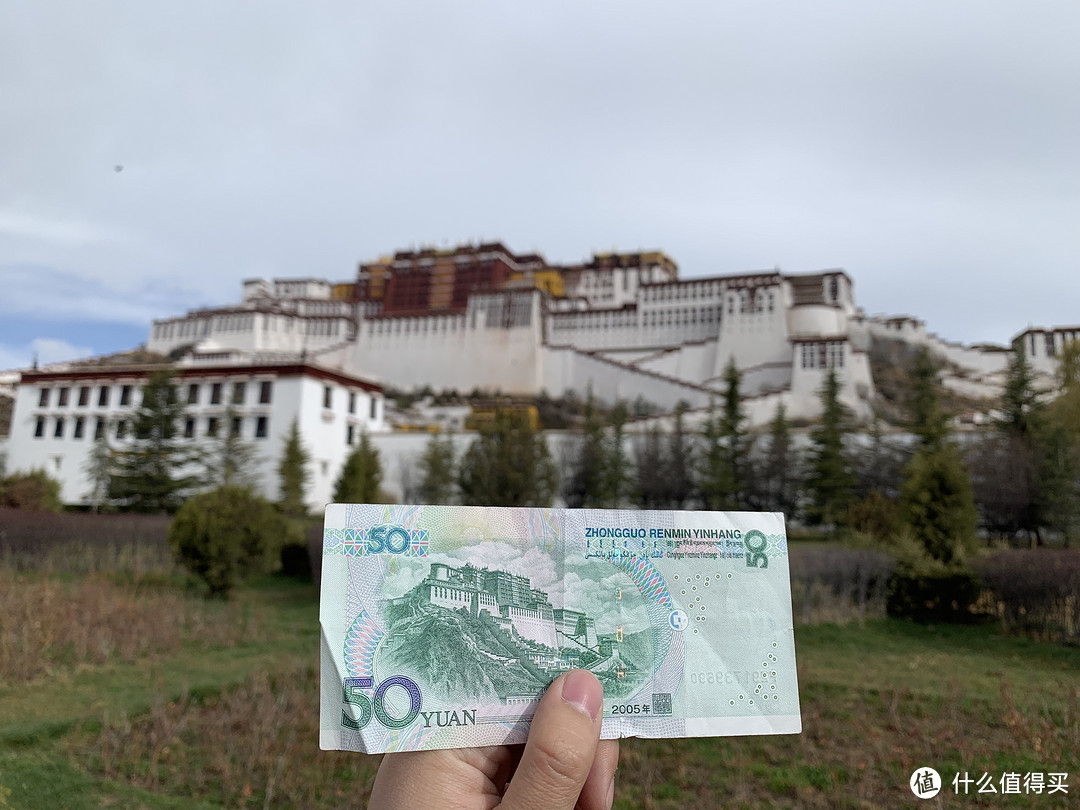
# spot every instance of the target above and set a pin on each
(564, 765)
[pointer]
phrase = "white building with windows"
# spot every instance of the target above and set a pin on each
(60, 412)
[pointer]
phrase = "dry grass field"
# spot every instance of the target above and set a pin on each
(125, 688)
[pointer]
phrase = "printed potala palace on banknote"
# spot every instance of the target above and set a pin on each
(443, 625)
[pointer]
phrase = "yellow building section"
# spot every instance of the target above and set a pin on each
(443, 273)
(485, 414)
(342, 291)
(549, 280)
(410, 428)
(377, 274)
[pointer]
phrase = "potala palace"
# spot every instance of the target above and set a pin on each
(482, 317)
(625, 325)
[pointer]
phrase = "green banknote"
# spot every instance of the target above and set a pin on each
(443, 625)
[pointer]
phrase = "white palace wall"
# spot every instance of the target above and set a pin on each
(567, 369)
(495, 344)
(641, 328)
(693, 361)
(251, 331)
(979, 360)
(755, 340)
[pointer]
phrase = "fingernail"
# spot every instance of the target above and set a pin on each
(583, 691)
(611, 794)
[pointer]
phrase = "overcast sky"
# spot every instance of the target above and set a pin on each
(931, 149)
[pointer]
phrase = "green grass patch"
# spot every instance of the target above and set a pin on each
(237, 725)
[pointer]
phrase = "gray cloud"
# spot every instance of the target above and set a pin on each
(928, 148)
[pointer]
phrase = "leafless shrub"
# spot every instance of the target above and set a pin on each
(1034, 591)
(48, 623)
(832, 584)
(253, 746)
(84, 543)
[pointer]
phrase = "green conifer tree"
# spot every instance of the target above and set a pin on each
(437, 470)
(936, 500)
(98, 469)
(585, 485)
(724, 469)
(616, 464)
(508, 464)
(153, 471)
(830, 482)
(928, 421)
(1059, 501)
(231, 460)
(1022, 425)
(361, 474)
(780, 466)
(293, 474)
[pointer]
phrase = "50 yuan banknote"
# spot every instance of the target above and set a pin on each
(443, 625)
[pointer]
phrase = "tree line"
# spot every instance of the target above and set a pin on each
(1022, 470)
(1018, 476)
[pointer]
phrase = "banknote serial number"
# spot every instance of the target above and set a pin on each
(729, 676)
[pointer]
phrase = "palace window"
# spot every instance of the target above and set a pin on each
(350, 433)
(211, 426)
(58, 430)
(63, 397)
(84, 396)
(103, 396)
(265, 389)
(215, 394)
(374, 408)
(121, 428)
(823, 354)
(261, 424)
(327, 396)
(352, 403)
(1049, 344)
(99, 428)
(238, 391)
(39, 427)
(80, 424)
(189, 428)
(43, 398)
(193, 394)
(235, 428)
(125, 395)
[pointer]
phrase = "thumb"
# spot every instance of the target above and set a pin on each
(562, 744)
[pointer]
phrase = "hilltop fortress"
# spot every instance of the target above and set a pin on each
(510, 601)
(624, 325)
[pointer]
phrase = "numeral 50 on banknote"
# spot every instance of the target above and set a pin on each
(355, 694)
